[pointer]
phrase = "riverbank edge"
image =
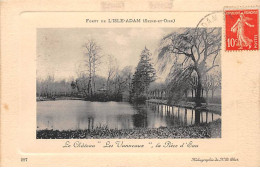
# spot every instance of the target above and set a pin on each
(215, 108)
(70, 98)
(205, 130)
(58, 98)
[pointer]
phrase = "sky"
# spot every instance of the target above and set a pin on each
(60, 50)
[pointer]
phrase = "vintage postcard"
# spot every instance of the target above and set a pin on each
(130, 83)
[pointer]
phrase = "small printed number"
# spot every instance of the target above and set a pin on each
(24, 159)
(231, 42)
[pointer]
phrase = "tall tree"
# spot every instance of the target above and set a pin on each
(92, 60)
(122, 81)
(111, 71)
(144, 75)
(196, 50)
(126, 75)
(96, 62)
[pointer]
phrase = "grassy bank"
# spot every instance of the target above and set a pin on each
(210, 130)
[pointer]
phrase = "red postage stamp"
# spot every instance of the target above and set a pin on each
(242, 29)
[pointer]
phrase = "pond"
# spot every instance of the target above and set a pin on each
(78, 114)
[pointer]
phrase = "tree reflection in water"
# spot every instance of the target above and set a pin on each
(177, 116)
(71, 115)
(140, 119)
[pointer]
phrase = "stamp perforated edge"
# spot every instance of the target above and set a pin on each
(256, 7)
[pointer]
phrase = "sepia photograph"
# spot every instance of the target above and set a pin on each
(128, 83)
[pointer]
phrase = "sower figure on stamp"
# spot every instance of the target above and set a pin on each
(238, 27)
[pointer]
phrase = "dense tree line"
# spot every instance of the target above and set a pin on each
(112, 88)
(49, 88)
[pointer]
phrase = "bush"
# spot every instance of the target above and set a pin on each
(140, 99)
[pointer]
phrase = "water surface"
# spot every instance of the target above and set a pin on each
(77, 114)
